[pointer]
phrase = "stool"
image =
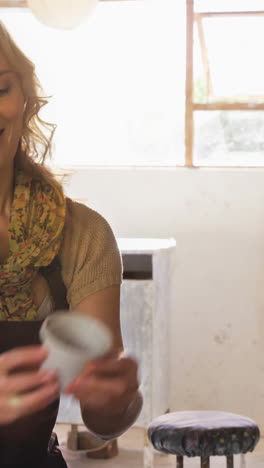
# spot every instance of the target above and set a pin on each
(203, 434)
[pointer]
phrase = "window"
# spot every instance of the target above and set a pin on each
(128, 89)
(117, 82)
(225, 95)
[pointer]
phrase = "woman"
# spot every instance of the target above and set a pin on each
(40, 228)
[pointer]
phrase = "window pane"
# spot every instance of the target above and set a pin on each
(237, 73)
(117, 82)
(229, 138)
(228, 5)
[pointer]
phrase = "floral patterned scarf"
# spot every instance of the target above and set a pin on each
(35, 235)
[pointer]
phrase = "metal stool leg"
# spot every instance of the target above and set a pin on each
(179, 463)
(148, 453)
(230, 461)
(243, 461)
(205, 462)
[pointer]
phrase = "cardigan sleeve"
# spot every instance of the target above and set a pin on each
(89, 255)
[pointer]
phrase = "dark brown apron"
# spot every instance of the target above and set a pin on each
(29, 442)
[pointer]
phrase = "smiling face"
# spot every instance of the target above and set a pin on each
(11, 113)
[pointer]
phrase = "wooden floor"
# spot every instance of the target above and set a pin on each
(131, 455)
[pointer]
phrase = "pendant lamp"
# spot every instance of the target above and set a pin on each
(61, 14)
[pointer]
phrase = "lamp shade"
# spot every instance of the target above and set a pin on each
(62, 14)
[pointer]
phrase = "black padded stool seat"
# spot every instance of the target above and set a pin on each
(203, 434)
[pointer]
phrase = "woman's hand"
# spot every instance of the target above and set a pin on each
(105, 389)
(28, 390)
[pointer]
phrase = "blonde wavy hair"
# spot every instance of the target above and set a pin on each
(37, 135)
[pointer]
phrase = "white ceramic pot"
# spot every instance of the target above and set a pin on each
(73, 340)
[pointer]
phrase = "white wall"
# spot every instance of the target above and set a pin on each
(217, 320)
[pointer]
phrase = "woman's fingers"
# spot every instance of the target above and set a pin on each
(101, 391)
(112, 367)
(39, 399)
(22, 390)
(10, 385)
(22, 357)
(13, 407)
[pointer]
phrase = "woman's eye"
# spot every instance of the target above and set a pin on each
(4, 91)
